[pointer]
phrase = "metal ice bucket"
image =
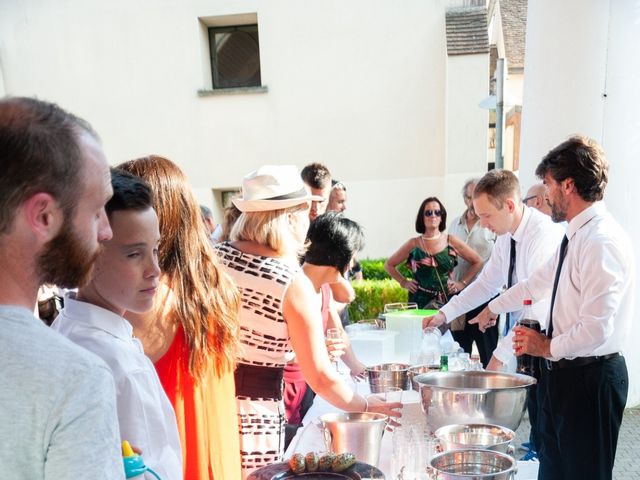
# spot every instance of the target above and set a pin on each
(473, 397)
(388, 375)
(359, 433)
(472, 465)
(416, 370)
(477, 437)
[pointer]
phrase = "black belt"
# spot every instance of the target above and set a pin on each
(259, 382)
(578, 361)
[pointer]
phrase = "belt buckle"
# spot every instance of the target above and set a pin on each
(549, 364)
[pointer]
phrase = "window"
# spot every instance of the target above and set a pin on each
(235, 56)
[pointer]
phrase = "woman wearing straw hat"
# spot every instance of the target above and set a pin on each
(280, 313)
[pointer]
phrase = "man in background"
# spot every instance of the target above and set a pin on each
(318, 178)
(337, 197)
(57, 400)
(536, 198)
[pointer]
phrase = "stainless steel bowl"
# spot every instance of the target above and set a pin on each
(473, 397)
(477, 437)
(416, 370)
(388, 375)
(472, 465)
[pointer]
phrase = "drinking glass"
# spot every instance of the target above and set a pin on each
(333, 334)
(392, 394)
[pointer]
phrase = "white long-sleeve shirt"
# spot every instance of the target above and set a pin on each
(537, 238)
(145, 415)
(593, 309)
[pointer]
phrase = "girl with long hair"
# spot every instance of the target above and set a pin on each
(192, 332)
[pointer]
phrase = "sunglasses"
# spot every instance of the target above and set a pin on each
(431, 213)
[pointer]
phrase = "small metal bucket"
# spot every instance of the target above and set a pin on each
(359, 433)
(476, 436)
(472, 465)
(388, 375)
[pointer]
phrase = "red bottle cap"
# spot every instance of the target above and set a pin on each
(526, 302)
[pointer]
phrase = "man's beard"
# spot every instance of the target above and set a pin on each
(65, 261)
(558, 209)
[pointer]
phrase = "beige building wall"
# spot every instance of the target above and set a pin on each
(360, 86)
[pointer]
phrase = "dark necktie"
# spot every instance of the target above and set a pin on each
(512, 267)
(563, 253)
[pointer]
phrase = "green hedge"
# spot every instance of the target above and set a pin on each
(373, 269)
(372, 296)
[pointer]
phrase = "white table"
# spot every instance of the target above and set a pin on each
(309, 437)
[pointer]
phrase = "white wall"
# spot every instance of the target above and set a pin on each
(466, 122)
(577, 51)
(360, 86)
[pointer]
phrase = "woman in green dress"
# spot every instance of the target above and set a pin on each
(431, 257)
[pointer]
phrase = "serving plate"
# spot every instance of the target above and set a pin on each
(280, 471)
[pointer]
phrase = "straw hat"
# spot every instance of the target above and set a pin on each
(273, 187)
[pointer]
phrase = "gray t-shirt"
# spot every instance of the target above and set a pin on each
(57, 405)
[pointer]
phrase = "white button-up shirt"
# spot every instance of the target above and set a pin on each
(145, 415)
(593, 308)
(537, 238)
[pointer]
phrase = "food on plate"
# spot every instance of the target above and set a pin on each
(325, 462)
(296, 463)
(343, 461)
(312, 461)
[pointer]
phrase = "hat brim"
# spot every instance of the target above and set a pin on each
(268, 205)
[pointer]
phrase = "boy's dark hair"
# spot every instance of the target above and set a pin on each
(316, 175)
(40, 151)
(129, 193)
(581, 159)
(334, 240)
(420, 217)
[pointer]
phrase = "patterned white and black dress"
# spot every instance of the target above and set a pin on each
(263, 282)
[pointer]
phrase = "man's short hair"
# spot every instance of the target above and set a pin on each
(129, 193)
(316, 175)
(39, 152)
(581, 159)
(470, 181)
(338, 185)
(498, 185)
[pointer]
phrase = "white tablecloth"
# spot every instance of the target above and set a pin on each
(309, 437)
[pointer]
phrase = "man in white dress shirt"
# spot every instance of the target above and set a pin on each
(57, 401)
(526, 239)
(126, 279)
(591, 282)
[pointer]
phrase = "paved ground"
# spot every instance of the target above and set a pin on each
(627, 466)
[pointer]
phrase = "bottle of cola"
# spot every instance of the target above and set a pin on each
(527, 363)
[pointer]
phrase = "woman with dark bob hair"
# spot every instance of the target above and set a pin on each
(333, 241)
(432, 256)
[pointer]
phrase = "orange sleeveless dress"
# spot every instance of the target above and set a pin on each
(206, 414)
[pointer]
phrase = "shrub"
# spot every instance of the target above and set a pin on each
(373, 269)
(372, 296)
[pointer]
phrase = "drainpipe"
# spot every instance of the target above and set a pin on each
(499, 111)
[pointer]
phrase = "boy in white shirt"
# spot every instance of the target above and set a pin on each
(125, 278)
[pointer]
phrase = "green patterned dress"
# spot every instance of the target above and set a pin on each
(432, 274)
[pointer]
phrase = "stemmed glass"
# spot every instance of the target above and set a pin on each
(333, 334)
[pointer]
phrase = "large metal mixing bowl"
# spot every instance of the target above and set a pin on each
(473, 397)
(472, 465)
(476, 437)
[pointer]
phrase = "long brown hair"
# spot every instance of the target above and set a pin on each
(206, 300)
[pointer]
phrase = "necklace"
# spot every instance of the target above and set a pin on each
(435, 237)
